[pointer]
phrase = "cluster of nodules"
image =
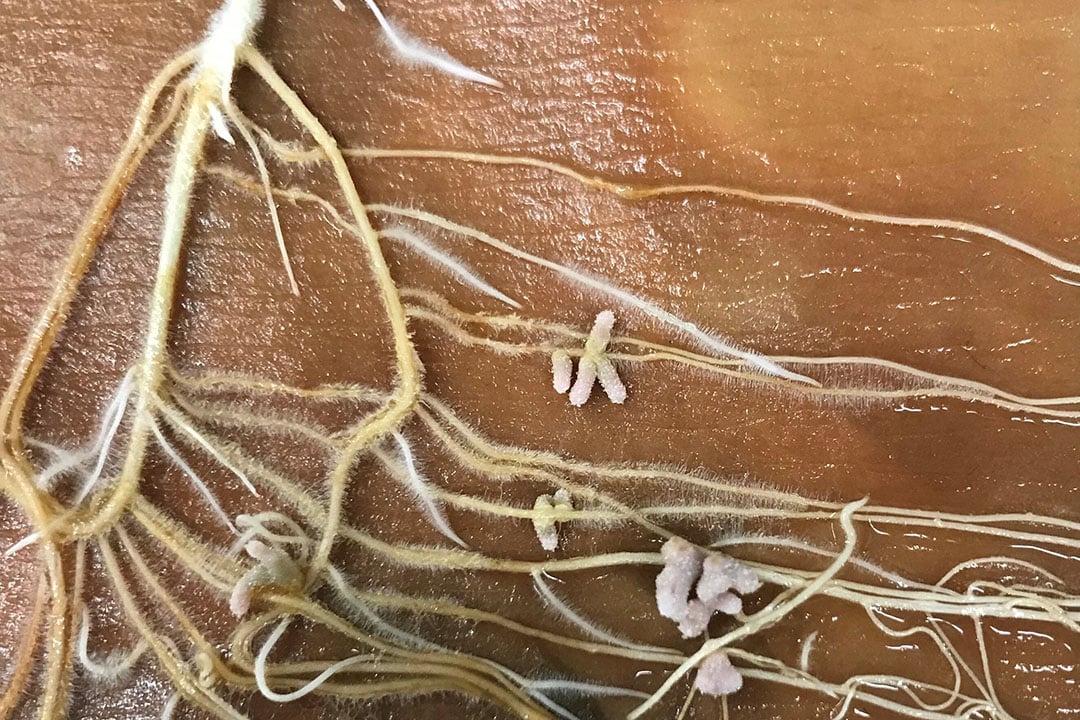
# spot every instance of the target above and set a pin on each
(593, 365)
(274, 568)
(544, 522)
(693, 586)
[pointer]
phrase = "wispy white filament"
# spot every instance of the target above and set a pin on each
(419, 487)
(115, 665)
(260, 669)
(170, 706)
(212, 501)
(264, 176)
(420, 52)
(589, 628)
(220, 125)
(457, 267)
(110, 423)
(178, 422)
(114, 415)
(570, 686)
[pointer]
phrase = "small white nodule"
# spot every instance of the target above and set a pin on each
(586, 378)
(562, 368)
(601, 330)
(717, 676)
(610, 380)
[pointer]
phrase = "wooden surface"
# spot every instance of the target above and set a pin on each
(968, 111)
